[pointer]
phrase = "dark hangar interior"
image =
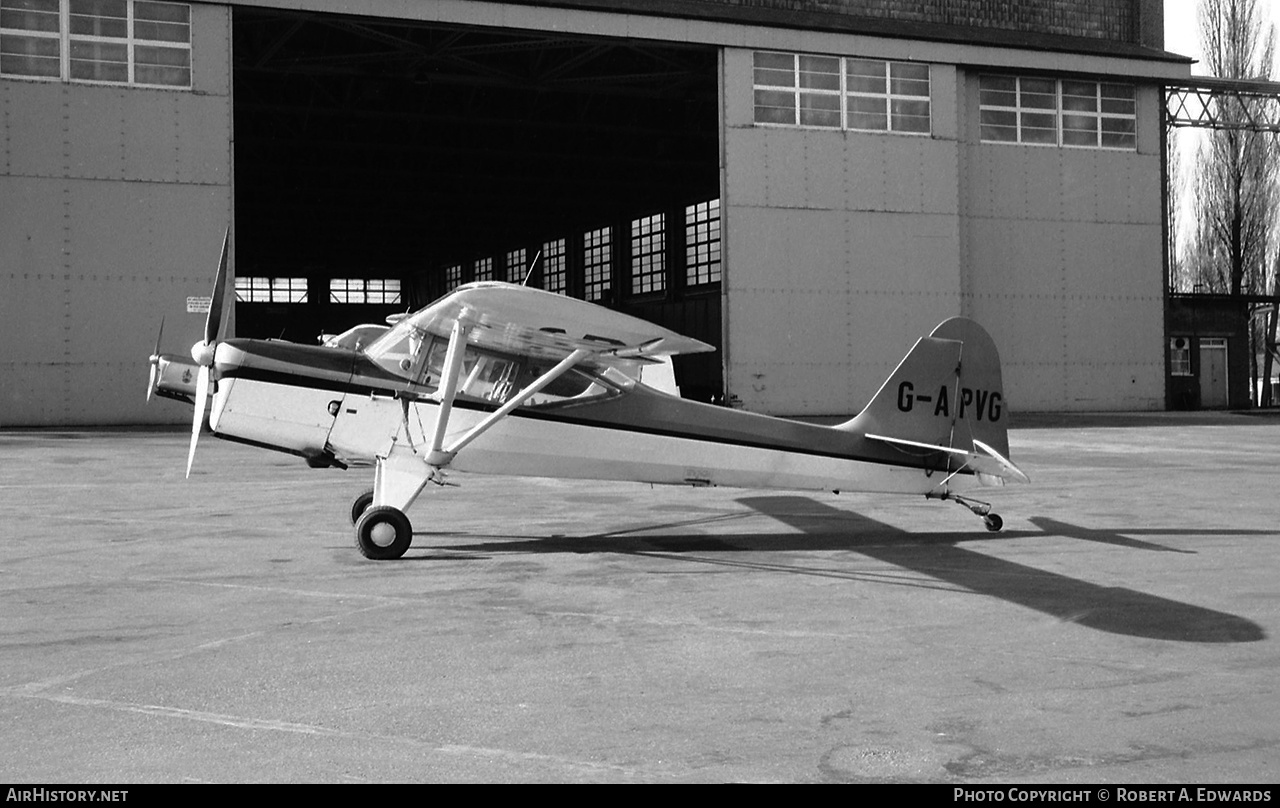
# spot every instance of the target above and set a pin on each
(374, 148)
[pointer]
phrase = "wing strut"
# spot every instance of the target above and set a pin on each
(449, 391)
(439, 457)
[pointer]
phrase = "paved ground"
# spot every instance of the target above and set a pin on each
(1122, 629)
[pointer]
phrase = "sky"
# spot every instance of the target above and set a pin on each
(1180, 35)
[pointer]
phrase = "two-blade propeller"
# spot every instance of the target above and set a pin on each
(203, 351)
(155, 363)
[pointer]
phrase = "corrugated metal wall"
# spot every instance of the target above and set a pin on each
(106, 195)
(1063, 264)
(842, 248)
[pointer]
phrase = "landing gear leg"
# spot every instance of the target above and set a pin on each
(382, 529)
(983, 509)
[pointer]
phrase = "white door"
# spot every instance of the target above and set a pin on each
(1213, 373)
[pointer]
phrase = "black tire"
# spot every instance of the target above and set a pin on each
(360, 505)
(994, 523)
(383, 533)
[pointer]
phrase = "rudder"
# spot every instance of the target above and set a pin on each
(947, 391)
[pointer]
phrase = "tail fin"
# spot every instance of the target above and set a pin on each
(946, 395)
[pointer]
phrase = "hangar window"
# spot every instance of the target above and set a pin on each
(139, 42)
(597, 263)
(554, 274)
(452, 277)
(30, 38)
(828, 91)
(364, 290)
(887, 96)
(483, 270)
(252, 289)
(648, 248)
(793, 88)
(1049, 112)
(516, 265)
(702, 243)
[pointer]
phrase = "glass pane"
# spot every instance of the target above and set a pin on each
(160, 56)
(909, 70)
(820, 73)
(865, 76)
(12, 64)
(1039, 93)
(162, 76)
(161, 12)
(909, 78)
(999, 125)
(868, 113)
(99, 61)
(910, 116)
(1078, 97)
(998, 91)
(29, 15)
(999, 134)
(1039, 128)
(1117, 105)
(991, 98)
(1119, 133)
(107, 18)
(775, 70)
(775, 106)
(162, 31)
(910, 87)
(820, 110)
(1079, 137)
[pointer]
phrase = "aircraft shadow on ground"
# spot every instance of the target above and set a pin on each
(935, 560)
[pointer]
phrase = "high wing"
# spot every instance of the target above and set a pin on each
(533, 322)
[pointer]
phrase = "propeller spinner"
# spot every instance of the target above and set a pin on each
(203, 351)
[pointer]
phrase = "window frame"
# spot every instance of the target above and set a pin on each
(77, 50)
(648, 237)
(555, 266)
(365, 291)
(802, 90)
(270, 289)
(1022, 110)
(597, 264)
(703, 260)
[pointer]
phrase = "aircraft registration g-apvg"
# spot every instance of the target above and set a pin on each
(495, 378)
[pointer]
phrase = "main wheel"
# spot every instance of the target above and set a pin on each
(994, 522)
(383, 532)
(360, 505)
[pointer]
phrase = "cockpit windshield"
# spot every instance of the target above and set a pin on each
(488, 376)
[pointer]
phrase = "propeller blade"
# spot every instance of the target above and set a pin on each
(155, 362)
(202, 399)
(205, 352)
(213, 321)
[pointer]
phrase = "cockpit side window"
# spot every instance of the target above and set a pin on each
(486, 376)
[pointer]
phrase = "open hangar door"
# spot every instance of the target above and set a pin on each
(370, 150)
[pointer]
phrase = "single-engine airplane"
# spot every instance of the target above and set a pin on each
(497, 378)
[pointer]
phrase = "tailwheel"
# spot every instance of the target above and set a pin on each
(360, 505)
(981, 509)
(383, 533)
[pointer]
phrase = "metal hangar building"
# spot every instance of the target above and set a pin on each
(808, 184)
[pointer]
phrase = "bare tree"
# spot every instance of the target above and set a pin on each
(1174, 168)
(1234, 183)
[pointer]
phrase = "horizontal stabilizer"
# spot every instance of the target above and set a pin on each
(984, 460)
